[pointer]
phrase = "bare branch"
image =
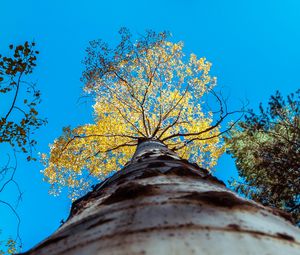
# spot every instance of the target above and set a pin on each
(112, 149)
(210, 137)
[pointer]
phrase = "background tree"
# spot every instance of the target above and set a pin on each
(142, 89)
(266, 147)
(18, 118)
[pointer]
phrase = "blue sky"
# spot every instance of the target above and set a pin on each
(253, 45)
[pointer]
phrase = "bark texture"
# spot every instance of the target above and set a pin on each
(161, 204)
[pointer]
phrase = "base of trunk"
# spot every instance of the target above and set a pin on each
(160, 204)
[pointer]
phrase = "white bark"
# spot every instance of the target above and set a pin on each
(160, 204)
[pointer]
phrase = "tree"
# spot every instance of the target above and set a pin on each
(148, 97)
(143, 89)
(18, 118)
(266, 148)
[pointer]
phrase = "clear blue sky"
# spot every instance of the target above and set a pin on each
(253, 45)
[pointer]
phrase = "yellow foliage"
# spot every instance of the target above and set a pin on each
(10, 247)
(153, 92)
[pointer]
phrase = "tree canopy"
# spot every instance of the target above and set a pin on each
(266, 147)
(19, 119)
(147, 88)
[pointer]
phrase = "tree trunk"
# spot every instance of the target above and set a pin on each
(161, 204)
